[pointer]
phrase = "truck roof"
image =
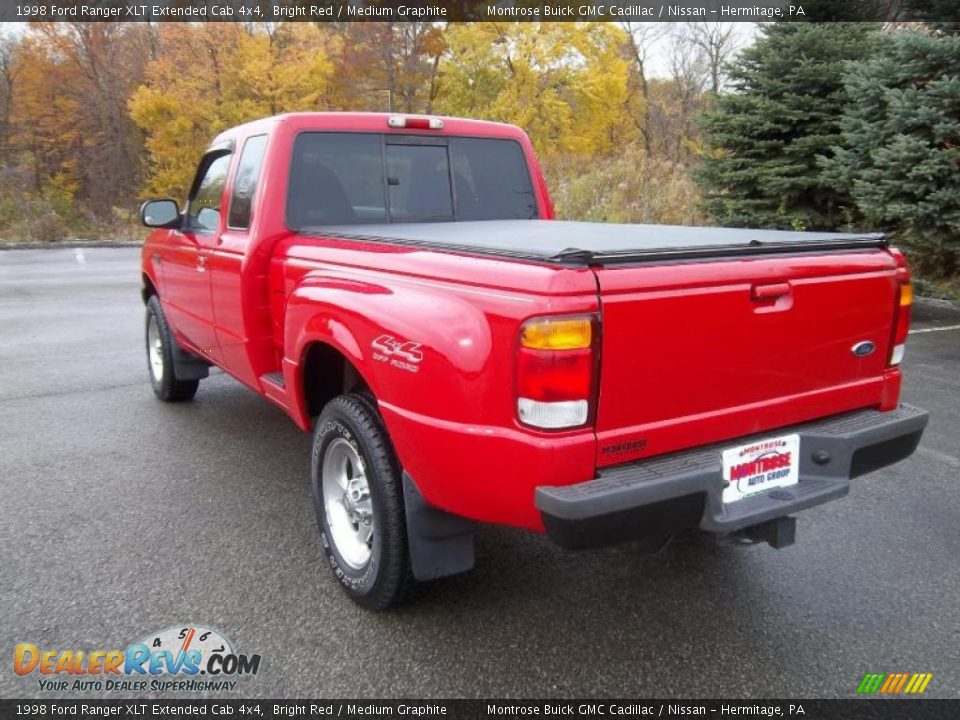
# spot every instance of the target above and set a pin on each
(368, 122)
(585, 243)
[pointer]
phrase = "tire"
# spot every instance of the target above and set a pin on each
(160, 345)
(355, 477)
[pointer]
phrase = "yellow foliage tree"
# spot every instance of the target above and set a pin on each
(565, 83)
(209, 77)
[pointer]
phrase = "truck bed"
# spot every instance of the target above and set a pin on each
(586, 243)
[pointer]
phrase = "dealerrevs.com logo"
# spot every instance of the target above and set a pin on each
(185, 658)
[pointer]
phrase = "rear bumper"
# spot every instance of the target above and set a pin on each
(684, 490)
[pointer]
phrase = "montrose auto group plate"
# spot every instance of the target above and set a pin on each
(760, 466)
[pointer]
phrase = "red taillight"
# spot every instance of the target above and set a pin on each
(901, 311)
(555, 372)
(553, 375)
(417, 123)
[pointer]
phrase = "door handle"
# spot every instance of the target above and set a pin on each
(769, 292)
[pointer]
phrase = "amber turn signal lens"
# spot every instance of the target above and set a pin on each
(557, 334)
(906, 294)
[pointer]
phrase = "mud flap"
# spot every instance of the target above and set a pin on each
(441, 544)
(187, 366)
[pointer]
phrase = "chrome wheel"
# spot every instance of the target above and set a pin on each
(346, 503)
(154, 349)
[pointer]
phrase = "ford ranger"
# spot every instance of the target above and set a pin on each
(398, 286)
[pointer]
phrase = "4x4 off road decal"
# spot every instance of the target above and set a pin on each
(401, 354)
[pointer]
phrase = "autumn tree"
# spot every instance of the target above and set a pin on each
(8, 46)
(640, 41)
(389, 66)
(209, 77)
(72, 128)
(565, 83)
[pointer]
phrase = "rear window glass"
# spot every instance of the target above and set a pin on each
(491, 180)
(353, 178)
(418, 182)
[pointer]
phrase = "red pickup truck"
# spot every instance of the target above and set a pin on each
(397, 285)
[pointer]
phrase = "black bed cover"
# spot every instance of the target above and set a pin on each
(586, 243)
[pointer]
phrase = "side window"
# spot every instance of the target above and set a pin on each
(336, 179)
(204, 209)
(245, 182)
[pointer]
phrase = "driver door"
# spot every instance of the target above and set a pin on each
(188, 300)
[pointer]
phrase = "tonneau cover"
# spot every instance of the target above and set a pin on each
(585, 243)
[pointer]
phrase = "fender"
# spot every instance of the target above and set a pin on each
(422, 349)
(311, 316)
(440, 358)
(368, 324)
(400, 336)
(186, 365)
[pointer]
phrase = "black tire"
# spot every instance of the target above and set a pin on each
(163, 379)
(385, 578)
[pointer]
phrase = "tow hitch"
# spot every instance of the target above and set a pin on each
(779, 533)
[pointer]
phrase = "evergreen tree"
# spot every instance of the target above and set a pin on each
(900, 151)
(941, 14)
(764, 137)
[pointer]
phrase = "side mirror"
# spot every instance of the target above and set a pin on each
(163, 213)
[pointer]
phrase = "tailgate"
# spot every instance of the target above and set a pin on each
(700, 352)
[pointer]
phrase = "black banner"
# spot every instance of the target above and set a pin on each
(914, 709)
(440, 10)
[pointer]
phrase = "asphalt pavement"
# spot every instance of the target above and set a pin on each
(120, 516)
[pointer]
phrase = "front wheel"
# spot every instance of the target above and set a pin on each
(358, 497)
(160, 344)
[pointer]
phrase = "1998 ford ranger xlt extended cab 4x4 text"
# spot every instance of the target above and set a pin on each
(398, 286)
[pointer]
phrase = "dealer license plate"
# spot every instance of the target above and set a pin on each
(760, 466)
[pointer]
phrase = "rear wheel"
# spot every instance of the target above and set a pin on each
(160, 345)
(359, 501)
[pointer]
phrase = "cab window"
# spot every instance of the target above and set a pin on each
(203, 213)
(245, 183)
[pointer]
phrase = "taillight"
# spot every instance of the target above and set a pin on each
(556, 366)
(902, 322)
(901, 311)
(419, 123)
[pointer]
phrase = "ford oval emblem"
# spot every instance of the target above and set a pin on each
(862, 349)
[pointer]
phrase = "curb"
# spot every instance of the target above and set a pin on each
(937, 302)
(69, 244)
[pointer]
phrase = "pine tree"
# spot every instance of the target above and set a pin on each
(900, 151)
(785, 108)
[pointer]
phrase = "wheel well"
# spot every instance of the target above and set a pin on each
(148, 290)
(327, 373)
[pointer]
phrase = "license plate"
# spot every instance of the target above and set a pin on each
(760, 466)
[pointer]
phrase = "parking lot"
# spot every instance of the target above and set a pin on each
(122, 516)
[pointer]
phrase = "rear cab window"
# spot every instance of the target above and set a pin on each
(372, 178)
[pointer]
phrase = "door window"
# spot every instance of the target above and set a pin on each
(203, 214)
